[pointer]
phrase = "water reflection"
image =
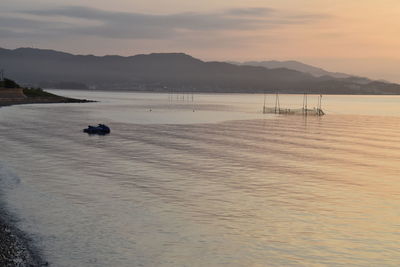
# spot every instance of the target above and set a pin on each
(258, 191)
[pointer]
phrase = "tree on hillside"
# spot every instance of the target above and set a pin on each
(7, 83)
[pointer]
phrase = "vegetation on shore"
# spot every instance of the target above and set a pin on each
(28, 91)
(7, 83)
(37, 92)
(32, 95)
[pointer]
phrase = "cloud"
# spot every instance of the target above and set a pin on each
(256, 11)
(5, 33)
(304, 18)
(125, 25)
(172, 22)
(15, 27)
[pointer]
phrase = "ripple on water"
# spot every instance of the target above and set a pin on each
(279, 191)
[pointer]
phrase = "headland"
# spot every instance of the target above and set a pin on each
(13, 94)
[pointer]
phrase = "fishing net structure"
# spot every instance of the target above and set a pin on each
(305, 111)
(297, 111)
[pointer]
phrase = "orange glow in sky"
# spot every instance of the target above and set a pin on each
(358, 37)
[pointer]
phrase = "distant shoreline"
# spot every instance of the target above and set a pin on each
(12, 93)
(41, 100)
(207, 93)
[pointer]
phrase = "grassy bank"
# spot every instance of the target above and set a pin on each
(13, 94)
(37, 92)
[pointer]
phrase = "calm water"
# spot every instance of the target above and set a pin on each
(221, 186)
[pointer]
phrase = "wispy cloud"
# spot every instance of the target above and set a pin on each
(255, 11)
(125, 25)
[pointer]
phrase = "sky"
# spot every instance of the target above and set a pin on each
(358, 37)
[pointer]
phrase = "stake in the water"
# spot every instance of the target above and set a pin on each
(304, 110)
(264, 107)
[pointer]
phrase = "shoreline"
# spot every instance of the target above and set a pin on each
(41, 100)
(216, 93)
(16, 248)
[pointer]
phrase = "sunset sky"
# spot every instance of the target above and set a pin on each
(354, 36)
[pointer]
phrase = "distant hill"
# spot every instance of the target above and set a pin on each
(295, 65)
(170, 71)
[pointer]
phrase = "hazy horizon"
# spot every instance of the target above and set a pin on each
(340, 36)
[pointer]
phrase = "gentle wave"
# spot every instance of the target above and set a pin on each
(278, 191)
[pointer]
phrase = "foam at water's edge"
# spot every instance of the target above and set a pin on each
(16, 247)
(8, 179)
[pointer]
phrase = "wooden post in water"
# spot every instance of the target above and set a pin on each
(320, 112)
(193, 99)
(279, 105)
(306, 103)
(264, 108)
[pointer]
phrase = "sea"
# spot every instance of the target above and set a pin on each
(205, 180)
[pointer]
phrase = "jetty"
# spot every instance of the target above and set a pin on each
(304, 110)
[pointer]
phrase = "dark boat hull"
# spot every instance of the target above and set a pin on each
(101, 129)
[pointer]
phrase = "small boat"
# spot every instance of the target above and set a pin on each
(101, 129)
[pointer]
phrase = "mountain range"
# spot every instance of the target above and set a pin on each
(178, 72)
(294, 65)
